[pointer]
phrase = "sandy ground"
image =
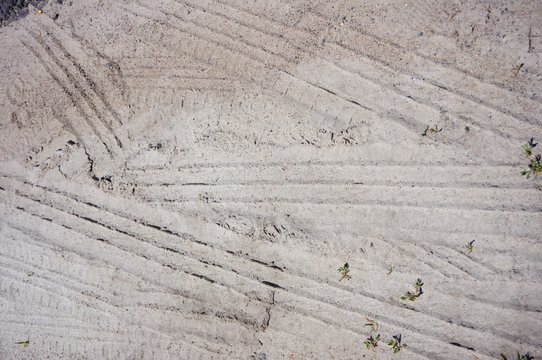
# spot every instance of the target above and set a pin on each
(181, 179)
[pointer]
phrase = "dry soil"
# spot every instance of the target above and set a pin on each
(181, 179)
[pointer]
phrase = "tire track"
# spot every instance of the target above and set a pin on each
(458, 178)
(320, 299)
(42, 246)
(370, 230)
(32, 318)
(133, 234)
(110, 309)
(233, 255)
(308, 314)
(252, 59)
(91, 333)
(243, 53)
(487, 267)
(452, 264)
(409, 241)
(122, 248)
(278, 34)
(282, 50)
(108, 299)
(283, 25)
(76, 43)
(329, 323)
(58, 337)
(356, 311)
(207, 197)
(72, 79)
(492, 200)
(405, 121)
(279, 158)
(80, 133)
(91, 84)
(444, 86)
(69, 332)
(170, 250)
(462, 109)
(418, 112)
(115, 70)
(377, 40)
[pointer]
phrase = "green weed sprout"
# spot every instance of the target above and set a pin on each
(23, 343)
(395, 343)
(469, 246)
(372, 341)
(535, 161)
(345, 272)
(413, 295)
(433, 130)
(519, 357)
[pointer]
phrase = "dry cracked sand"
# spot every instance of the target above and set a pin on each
(181, 179)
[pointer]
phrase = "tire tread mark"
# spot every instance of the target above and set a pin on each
(118, 76)
(251, 27)
(255, 61)
(58, 275)
(90, 82)
(101, 300)
(73, 79)
(340, 327)
(74, 101)
(266, 283)
(418, 76)
(439, 85)
(426, 102)
(248, 45)
(378, 298)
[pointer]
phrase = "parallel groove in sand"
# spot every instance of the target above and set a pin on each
(485, 102)
(210, 258)
(80, 132)
(389, 44)
(82, 93)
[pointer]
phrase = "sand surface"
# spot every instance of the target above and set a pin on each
(181, 179)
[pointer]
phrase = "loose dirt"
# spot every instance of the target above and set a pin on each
(181, 179)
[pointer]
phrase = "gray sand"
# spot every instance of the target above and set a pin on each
(181, 179)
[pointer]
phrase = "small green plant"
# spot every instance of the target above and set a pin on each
(469, 246)
(413, 295)
(345, 272)
(372, 341)
(432, 130)
(519, 357)
(390, 269)
(23, 343)
(373, 325)
(396, 344)
(409, 295)
(535, 161)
